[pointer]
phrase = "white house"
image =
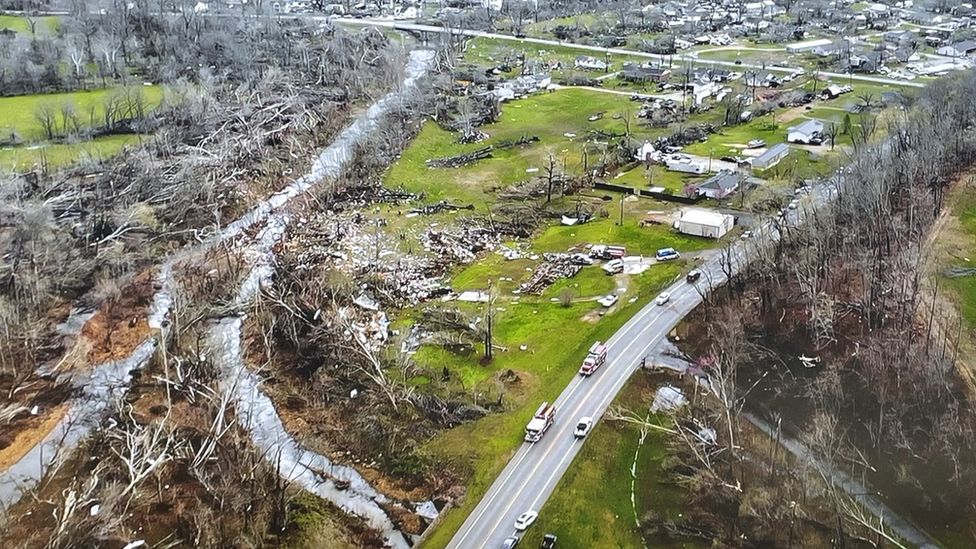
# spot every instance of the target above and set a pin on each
(771, 157)
(707, 223)
(806, 133)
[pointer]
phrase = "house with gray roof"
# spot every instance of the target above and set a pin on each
(771, 157)
(720, 185)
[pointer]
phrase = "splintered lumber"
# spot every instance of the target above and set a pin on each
(461, 159)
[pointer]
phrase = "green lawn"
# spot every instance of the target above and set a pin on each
(963, 252)
(659, 176)
(638, 240)
(548, 116)
(731, 139)
(484, 446)
(591, 506)
(16, 23)
(18, 113)
(57, 155)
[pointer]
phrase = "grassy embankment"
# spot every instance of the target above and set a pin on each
(591, 505)
(18, 115)
(18, 24)
(555, 336)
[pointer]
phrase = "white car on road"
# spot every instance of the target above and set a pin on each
(583, 427)
(609, 300)
(663, 298)
(525, 520)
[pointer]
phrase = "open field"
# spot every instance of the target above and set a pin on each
(16, 23)
(548, 116)
(55, 155)
(18, 114)
(656, 176)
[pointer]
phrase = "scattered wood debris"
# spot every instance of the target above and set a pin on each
(556, 266)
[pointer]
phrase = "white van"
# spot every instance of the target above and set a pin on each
(615, 266)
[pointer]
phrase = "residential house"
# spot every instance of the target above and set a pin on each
(834, 91)
(590, 63)
(765, 8)
(720, 185)
(809, 132)
(771, 157)
(760, 79)
(633, 72)
(959, 49)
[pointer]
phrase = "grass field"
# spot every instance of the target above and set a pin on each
(484, 446)
(656, 176)
(548, 116)
(959, 250)
(57, 155)
(17, 114)
(16, 23)
(591, 505)
(733, 139)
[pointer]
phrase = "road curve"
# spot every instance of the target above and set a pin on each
(533, 472)
(535, 469)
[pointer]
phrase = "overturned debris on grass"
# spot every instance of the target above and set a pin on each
(459, 245)
(556, 266)
(459, 160)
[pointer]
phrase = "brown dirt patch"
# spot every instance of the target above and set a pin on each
(120, 326)
(31, 433)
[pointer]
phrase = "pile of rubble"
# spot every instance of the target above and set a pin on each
(442, 206)
(556, 266)
(459, 246)
(459, 160)
(685, 136)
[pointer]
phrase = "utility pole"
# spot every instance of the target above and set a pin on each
(489, 316)
(621, 223)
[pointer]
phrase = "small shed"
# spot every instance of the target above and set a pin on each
(707, 223)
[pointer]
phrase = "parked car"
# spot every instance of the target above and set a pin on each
(663, 298)
(583, 427)
(548, 541)
(525, 520)
(694, 275)
(666, 254)
(615, 266)
(510, 542)
(581, 259)
(608, 300)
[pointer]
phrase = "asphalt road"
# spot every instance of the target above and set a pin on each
(535, 469)
(415, 27)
